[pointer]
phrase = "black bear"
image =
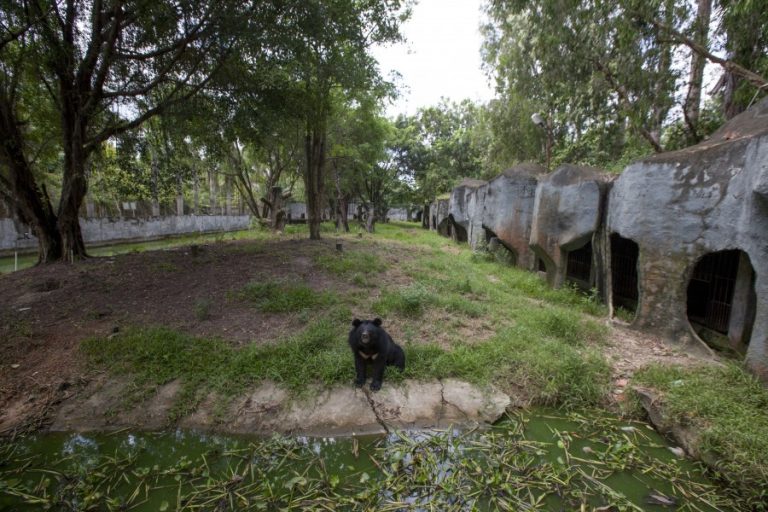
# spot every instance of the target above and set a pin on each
(371, 344)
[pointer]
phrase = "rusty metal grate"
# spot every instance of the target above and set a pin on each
(579, 265)
(624, 255)
(710, 291)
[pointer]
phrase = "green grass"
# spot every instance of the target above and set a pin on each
(729, 409)
(538, 340)
(361, 267)
(410, 301)
(285, 297)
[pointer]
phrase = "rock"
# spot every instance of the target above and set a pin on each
(471, 402)
(679, 452)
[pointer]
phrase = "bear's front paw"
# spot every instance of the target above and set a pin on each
(376, 385)
(359, 383)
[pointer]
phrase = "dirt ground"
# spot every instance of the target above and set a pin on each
(46, 311)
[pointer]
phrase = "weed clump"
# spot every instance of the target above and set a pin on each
(203, 309)
(350, 263)
(410, 301)
(284, 297)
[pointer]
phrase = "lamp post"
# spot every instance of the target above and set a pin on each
(539, 121)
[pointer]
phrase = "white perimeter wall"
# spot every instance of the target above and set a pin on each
(103, 231)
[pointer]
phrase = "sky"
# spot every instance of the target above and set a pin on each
(440, 58)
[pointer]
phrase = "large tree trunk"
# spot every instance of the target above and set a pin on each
(344, 207)
(663, 90)
(179, 195)
(30, 202)
(73, 191)
(692, 106)
(342, 202)
(314, 180)
(74, 183)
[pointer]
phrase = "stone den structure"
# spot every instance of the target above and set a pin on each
(678, 242)
(565, 234)
(508, 211)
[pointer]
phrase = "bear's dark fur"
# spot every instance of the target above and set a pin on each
(371, 344)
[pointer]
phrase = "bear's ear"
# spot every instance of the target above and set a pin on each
(377, 322)
(356, 322)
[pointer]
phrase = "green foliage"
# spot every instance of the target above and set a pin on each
(624, 315)
(608, 88)
(284, 297)
(729, 410)
(439, 146)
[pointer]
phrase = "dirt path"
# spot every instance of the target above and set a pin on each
(45, 313)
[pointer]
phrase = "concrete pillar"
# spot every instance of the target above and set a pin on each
(90, 209)
(155, 208)
(179, 205)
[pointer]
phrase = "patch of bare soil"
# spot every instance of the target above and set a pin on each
(628, 350)
(46, 311)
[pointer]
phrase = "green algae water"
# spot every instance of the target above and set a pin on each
(539, 460)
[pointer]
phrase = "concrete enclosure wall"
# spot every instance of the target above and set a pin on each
(679, 239)
(566, 221)
(102, 231)
(508, 210)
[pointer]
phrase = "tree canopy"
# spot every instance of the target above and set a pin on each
(132, 100)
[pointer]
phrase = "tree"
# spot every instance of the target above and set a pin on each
(434, 149)
(97, 61)
(604, 72)
(584, 63)
(329, 50)
(692, 104)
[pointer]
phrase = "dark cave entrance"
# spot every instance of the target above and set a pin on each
(624, 257)
(721, 300)
(499, 249)
(458, 233)
(578, 268)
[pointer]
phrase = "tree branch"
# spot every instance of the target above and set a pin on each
(624, 98)
(728, 65)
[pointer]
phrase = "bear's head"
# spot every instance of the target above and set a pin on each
(368, 329)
